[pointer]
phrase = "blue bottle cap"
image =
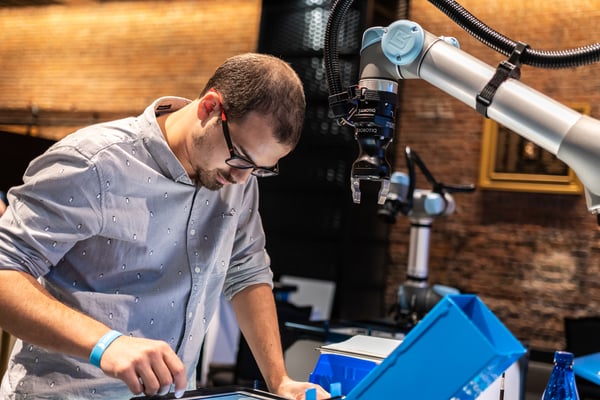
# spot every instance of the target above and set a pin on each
(563, 357)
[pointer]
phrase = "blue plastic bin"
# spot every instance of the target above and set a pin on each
(345, 370)
(455, 352)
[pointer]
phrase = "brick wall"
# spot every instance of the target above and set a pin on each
(116, 57)
(532, 258)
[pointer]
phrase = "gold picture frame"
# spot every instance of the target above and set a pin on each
(512, 163)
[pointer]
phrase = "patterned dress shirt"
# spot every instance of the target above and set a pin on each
(111, 224)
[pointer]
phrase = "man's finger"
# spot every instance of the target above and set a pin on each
(149, 381)
(177, 372)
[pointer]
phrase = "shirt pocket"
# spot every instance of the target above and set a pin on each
(214, 243)
(127, 218)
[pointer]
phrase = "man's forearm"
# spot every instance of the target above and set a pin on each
(257, 316)
(145, 365)
(42, 320)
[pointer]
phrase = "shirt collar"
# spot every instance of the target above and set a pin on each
(155, 140)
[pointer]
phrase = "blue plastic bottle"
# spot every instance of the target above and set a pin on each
(561, 385)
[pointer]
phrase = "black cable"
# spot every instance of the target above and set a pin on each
(335, 20)
(538, 58)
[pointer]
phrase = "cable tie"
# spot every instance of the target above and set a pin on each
(510, 68)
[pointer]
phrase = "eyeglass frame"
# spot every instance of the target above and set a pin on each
(261, 172)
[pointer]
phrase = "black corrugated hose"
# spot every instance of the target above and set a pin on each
(330, 56)
(538, 58)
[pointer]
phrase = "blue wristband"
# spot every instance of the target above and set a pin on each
(100, 347)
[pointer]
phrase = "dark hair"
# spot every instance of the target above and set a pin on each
(266, 84)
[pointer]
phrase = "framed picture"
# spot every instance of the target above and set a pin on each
(511, 162)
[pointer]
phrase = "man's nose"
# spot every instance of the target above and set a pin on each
(240, 175)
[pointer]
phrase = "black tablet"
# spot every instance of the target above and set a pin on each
(219, 393)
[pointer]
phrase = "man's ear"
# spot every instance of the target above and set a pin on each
(209, 103)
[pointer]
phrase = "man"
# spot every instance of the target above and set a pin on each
(114, 251)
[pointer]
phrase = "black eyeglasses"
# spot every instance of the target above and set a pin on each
(240, 162)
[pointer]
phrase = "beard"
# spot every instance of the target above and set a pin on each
(208, 179)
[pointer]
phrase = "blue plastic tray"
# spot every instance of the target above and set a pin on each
(455, 352)
(588, 367)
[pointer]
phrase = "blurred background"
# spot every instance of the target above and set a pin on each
(532, 255)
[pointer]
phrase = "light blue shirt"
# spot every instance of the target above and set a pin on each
(112, 225)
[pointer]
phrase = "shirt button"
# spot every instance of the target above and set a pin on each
(193, 232)
(197, 270)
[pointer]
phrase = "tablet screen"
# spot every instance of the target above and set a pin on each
(236, 395)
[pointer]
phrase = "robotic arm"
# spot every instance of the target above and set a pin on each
(403, 50)
(415, 296)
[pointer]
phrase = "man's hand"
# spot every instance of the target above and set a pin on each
(148, 366)
(295, 390)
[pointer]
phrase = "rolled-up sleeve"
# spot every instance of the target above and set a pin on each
(58, 204)
(250, 263)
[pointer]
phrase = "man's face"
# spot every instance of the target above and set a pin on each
(251, 138)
